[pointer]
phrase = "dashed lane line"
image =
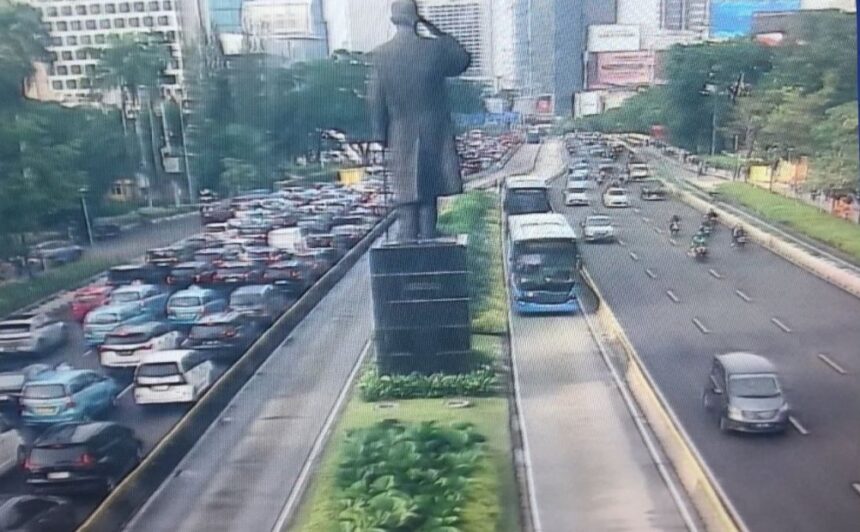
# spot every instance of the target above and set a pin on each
(634, 256)
(650, 273)
(743, 296)
(798, 426)
(672, 296)
(781, 325)
(833, 365)
(701, 326)
(715, 274)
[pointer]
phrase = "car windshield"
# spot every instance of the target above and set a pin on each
(159, 369)
(102, 318)
(125, 296)
(56, 455)
(246, 299)
(185, 301)
(595, 221)
(616, 192)
(126, 338)
(752, 386)
(44, 391)
(184, 271)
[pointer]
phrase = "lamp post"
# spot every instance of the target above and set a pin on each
(83, 192)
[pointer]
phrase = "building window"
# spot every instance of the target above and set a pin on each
(119, 23)
(76, 69)
(86, 39)
(76, 25)
(90, 24)
(51, 12)
(100, 39)
(167, 5)
(62, 26)
(163, 21)
(148, 22)
(57, 85)
(66, 10)
(86, 83)
(104, 24)
(66, 55)
(170, 36)
(110, 8)
(123, 8)
(95, 9)
(72, 84)
(80, 10)
(133, 23)
(90, 70)
(71, 40)
(138, 7)
(81, 54)
(153, 6)
(62, 70)
(54, 57)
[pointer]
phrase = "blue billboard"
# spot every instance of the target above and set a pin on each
(733, 18)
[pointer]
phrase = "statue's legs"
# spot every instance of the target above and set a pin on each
(417, 221)
(427, 219)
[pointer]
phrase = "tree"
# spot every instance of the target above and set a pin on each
(134, 64)
(23, 41)
(466, 96)
(238, 175)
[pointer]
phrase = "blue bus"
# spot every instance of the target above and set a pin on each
(543, 264)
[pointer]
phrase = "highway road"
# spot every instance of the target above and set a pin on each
(678, 313)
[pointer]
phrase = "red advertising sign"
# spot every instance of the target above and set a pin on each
(622, 69)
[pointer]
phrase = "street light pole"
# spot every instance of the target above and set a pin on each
(714, 125)
(191, 192)
(83, 192)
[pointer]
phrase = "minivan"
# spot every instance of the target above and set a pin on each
(99, 322)
(576, 193)
(187, 306)
(173, 376)
(259, 301)
(126, 346)
(743, 392)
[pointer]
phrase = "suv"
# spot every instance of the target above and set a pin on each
(31, 333)
(57, 252)
(259, 301)
(744, 393)
(226, 334)
(292, 277)
(97, 454)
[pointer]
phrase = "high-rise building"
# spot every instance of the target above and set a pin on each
(504, 44)
(75, 28)
(291, 29)
(849, 6)
(690, 15)
(225, 15)
(357, 25)
(470, 22)
(662, 23)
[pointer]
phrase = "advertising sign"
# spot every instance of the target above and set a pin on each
(613, 38)
(621, 69)
(733, 18)
(587, 103)
(276, 17)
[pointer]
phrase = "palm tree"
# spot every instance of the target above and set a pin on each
(134, 65)
(23, 41)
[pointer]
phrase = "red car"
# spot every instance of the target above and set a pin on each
(87, 298)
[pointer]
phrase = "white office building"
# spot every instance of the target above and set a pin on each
(505, 45)
(357, 25)
(76, 26)
(470, 22)
(291, 29)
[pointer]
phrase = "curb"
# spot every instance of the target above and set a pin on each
(137, 487)
(711, 502)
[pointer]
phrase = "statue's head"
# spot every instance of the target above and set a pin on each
(404, 13)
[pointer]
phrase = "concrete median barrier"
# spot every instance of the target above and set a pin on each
(714, 507)
(133, 492)
(832, 273)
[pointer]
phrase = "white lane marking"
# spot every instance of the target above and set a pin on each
(856, 487)
(319, 443)
(797, 426)
(634, 256)
(88, 352)
(701, 326)
(658, 230)
(781, 325)
(715, 273)
(672, 296)
(637, 211)
(621, 242)
(673, 241)
(743, 296)
(650, 273)
(646, 219)
(836, 367)
(125, 390)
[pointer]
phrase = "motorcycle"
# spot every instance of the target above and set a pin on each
(706, 229)
(674, 228)
(698, 252)
(739, 240)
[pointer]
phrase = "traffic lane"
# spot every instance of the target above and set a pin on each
(135, 242)
(240, 473)
(521, 162)
(738, 335)
(572, 409)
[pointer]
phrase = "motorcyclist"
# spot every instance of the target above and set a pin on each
(674, 224)
(712, 216)
(738, 233)
(676, 218)
(699, 241)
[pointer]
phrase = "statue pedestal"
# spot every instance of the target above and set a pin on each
(421, 306)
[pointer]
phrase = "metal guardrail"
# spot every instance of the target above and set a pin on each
(138, 486)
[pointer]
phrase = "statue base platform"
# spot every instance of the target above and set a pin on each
(421, 306)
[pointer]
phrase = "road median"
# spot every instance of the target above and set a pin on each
(714, 508)
(133, 492)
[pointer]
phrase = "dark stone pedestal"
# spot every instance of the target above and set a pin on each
(421, 306)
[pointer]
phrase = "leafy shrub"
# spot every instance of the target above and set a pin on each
(376, 387)
(400, 477)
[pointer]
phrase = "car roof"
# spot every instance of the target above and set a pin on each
(191, 264)
(139, 328)
(251, 289)
(597, 217)
(168, 355)
(61, 376)
(742, 362)
(524, 181)
(219, 317)
(65, 433)
(115, 307)
(193, 290)
(235, 264)
(133, 288)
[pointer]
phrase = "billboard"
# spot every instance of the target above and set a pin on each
(613, 38)
(621, 69)
(733, 18)
(587, 103)
(276, 17)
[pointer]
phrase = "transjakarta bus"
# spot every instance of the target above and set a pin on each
(543, 261)
(525, 195)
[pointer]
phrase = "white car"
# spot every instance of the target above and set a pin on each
(598, 228)
(11, 447)
(173, 376)
(576, 193)
(616, 197)
(32, 333)
(126, 346)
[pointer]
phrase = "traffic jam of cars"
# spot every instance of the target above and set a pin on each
(479, 151)
(163, 330)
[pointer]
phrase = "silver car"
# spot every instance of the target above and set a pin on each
(598, 228)
(744, 393)
(31, 333)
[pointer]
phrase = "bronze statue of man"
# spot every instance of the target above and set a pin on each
(411, 116)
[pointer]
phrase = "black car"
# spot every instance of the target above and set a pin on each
(233, 273)
(30, 513)
(224, 334)
(69, 456)
(185, 274)
(105, 230)
(653, 191)
(129, 273)
(291, 276)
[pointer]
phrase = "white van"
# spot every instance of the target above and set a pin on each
(576, 192)
(173, 376)
(289, 239)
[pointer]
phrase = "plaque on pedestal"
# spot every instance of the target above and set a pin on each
(421, 306)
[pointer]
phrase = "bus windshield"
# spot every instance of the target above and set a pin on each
(527, 201)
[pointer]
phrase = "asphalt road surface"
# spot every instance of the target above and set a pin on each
(679, 313)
